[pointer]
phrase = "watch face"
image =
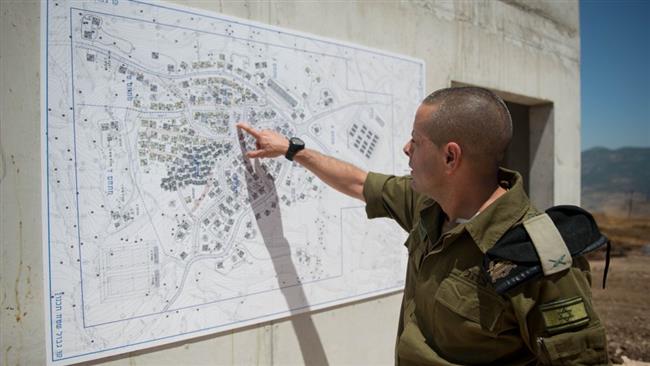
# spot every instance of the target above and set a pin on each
(296, 142)
(295, 145)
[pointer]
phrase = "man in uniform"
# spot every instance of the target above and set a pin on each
(456, 204)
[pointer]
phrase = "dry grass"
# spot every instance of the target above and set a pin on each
(630, 234)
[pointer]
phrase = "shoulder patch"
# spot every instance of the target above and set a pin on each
(551, 248)
(564, 314)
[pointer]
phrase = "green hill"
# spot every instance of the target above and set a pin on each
(616, 181)
(623, 170)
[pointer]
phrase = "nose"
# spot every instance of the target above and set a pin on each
(407, 148)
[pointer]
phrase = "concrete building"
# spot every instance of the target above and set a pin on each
(528, 52)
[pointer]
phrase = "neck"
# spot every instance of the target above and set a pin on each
(467, 202)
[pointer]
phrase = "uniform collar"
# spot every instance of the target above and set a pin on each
(431, 219)
(490, 225)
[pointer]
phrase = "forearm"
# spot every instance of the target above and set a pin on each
(344, 177)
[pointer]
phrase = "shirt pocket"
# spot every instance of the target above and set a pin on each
(584, 347)
(460, 296)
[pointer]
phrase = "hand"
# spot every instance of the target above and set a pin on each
(270, 144)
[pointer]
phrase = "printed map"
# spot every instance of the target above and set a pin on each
(158, 229)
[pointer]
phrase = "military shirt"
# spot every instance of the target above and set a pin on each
(451, 315)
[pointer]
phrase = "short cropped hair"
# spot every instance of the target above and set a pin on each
(475, 118)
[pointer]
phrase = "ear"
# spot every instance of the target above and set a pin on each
(453, 156)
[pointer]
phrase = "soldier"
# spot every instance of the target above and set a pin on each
(456, 205)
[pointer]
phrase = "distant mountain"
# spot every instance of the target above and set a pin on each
(617, 182)
(622, 170)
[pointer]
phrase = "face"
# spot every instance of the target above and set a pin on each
(426, 160)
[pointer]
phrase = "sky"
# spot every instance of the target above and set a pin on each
(615, 73)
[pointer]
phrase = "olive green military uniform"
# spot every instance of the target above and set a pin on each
(450, 313)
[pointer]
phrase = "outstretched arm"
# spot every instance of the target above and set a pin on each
(344, 177)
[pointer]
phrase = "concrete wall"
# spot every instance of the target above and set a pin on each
(529, 52)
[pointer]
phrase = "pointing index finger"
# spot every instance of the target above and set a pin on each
(253, 132)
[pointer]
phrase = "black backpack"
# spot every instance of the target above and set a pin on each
(515, 258)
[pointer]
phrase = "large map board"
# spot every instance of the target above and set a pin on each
(157, 229)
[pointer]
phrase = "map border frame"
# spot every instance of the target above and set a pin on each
(45, 191)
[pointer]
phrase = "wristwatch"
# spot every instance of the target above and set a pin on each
(295, 145)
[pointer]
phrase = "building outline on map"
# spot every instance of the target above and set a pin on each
(156, 224)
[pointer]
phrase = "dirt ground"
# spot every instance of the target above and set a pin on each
(624, 306)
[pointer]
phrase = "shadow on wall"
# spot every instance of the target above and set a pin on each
(269, 221)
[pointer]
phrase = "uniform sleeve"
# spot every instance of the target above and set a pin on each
(390, 196)
(557, 320)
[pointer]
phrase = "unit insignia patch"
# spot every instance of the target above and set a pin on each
(499, 269)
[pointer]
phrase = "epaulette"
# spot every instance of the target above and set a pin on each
(543, 245)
